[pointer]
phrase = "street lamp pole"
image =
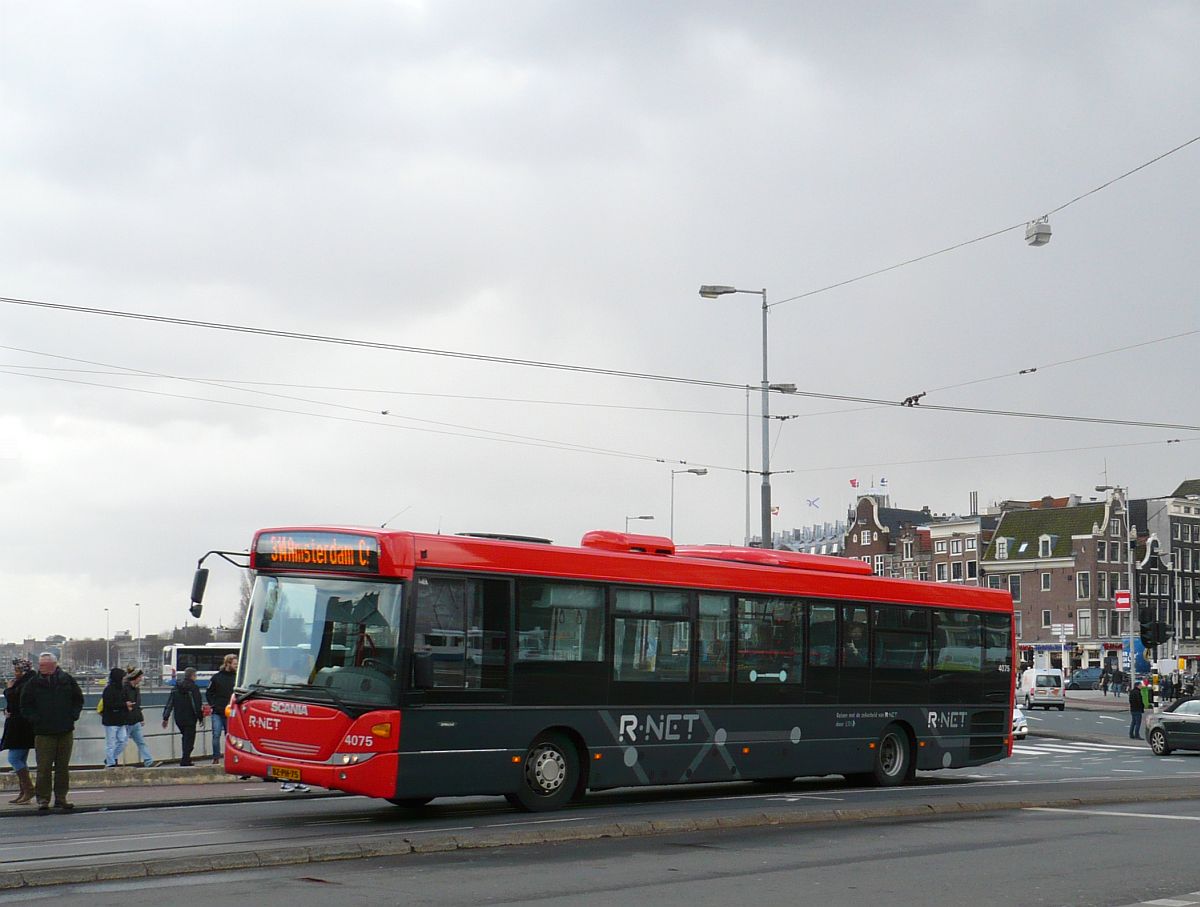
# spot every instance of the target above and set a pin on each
(712, 292)
(628, 518)
(107, 636)
(139, 631)
(674, 472)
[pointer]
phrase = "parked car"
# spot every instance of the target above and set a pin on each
(1085, 679)
(1020, 727)
(1177, 727)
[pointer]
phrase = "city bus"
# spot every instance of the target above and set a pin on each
(206, 659)
(625, 661)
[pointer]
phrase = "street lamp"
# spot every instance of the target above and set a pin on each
(106, 638)
(628, 518)
(1121, 495)
(712, 292)
(139, 631)
(700, 471)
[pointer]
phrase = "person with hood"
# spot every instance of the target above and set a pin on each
(131, 689)
(18, 733)
(113, 717)
(52, 702)
(185, 702)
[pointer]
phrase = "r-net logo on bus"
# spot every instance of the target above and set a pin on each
(661, 728)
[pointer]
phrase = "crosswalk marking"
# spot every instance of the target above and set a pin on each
(1072, 748)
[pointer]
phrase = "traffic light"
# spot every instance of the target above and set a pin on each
(1146, 627)
(1156, 632)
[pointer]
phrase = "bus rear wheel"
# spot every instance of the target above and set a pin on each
(549, 775)
(893, 758)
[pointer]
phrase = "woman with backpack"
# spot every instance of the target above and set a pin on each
(113, 717)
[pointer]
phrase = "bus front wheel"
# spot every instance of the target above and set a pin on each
(549, 774)
(893, 758)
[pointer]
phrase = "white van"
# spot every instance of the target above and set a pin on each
(1042, 687)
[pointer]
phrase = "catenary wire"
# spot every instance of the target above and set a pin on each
(994, 233)
(370, 344)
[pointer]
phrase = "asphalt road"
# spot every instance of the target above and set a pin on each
(1036, 856)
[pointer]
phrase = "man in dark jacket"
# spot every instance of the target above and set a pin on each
(1136, 708)
(51, 702)
(218, 694)
(184, 701)
(134, 719)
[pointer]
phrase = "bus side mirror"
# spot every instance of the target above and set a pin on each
(422, 671)
(199, 582)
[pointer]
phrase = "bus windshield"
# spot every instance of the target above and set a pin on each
(341, 635)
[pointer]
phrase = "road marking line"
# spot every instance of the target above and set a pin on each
(1109, 812)
(1134, 771)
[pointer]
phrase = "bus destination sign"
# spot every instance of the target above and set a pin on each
(336, 552)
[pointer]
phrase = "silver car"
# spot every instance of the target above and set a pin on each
(1020, 727)
(1177, 727)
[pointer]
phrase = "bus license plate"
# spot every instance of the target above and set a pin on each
(283, 774)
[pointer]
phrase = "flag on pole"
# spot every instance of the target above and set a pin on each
(883, 481)
(854, 483)
(775, 511)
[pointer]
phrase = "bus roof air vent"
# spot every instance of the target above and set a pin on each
(627, 543)
(505, 537)
(769, 557)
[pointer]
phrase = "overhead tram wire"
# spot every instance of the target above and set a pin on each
(480, 434)
(558, 366)
(977, 239)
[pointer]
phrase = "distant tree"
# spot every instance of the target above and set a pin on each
(191, 635)
(245, 589)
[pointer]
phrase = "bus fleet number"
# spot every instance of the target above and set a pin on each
(360, 740)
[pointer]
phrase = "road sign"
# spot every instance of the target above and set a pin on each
(1062, 629)
(1122, 600)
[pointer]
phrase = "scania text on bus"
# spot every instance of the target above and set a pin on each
(408, 667)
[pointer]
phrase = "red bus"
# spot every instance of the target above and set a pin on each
(408, 666)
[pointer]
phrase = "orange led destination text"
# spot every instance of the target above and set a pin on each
(287, 550)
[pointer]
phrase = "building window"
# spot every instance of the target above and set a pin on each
(1017, 624)
(1153, 578)
(1083, 586)
(923, 572)
(879, 564)
(972, 569)
(908, 551)
(1141, 584)
(1014, 586)
(1102, 622)
(1046, 619)
(854, 538)
(956, 546)
(1083, 623)
(1044, 545)
(971, 543)
(939, 546)
(1101, 585)
(941, 572)
(1187, 588)
(995, 582)
(1001, 549)
(1187, 559)
(1116, 581)
(1101, 550)
(1114, 527)
(1175, 530)
(956, 571)
(1045, 582)
(1114, 623)
(1114, 552)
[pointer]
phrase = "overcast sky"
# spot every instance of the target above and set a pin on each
(553, 181)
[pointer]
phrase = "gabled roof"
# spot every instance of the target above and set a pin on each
(1027, 526)
(893, 518)
(1191, 486)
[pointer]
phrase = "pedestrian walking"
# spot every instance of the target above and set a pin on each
(185, 703)
(18, 732)
(135, 720)
(52, 702)
(1104, 678)
(218, 694)
(1137, 708)
(112, 717)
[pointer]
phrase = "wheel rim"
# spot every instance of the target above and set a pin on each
(545, 770)
(1158, 741)
(891, 756)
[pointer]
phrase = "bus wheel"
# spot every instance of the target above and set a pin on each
(550, 775)
(409, 802)
(893, 757)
